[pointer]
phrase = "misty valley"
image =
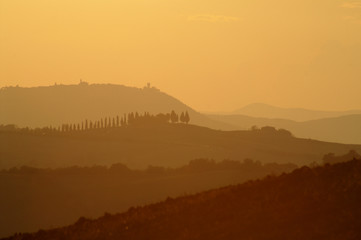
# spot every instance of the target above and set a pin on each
(180, 120)
(165, 171)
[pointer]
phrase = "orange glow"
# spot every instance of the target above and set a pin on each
(211, 54)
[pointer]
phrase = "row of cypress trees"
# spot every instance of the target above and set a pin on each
(132, 118)
(126, 120)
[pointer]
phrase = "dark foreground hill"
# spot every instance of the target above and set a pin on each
(319, 203)
(33, 199)
(167, 145)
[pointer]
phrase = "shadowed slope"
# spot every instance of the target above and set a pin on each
(33, 199)
(168, 145)
(320, 203)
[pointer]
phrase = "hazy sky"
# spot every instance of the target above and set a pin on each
(211, 54)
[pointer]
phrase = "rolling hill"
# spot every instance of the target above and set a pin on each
(58, 104)
(261, 110)
(344, 129)
(318, 203)
(167, 145)
(33, 199)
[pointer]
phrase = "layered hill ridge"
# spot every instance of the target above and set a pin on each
(167, 145)
(59, 104)
(33, 198)
(261, 110)
(344, 129)
(318, 203)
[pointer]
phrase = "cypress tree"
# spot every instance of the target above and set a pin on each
(186, 117)
(173, 117)
(182, 118)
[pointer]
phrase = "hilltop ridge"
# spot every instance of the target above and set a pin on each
(57, 104)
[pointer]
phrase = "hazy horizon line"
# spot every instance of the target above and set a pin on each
(203, 111)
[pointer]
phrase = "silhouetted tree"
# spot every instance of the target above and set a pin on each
(173, 117)
(131, 118)
(186, 117)
(182, 118)
(121, 122)
(254, 128)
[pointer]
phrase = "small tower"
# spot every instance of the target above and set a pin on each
(82, 83)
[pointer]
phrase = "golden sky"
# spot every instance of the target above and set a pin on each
(211, 54)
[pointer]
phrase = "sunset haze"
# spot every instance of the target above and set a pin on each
(213, 55)
(180, 119)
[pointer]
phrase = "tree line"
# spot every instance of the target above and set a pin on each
(132, 118)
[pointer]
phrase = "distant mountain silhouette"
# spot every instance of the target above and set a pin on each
(167, 145)
(58, 104)
(344, 129)
(261, 110)
(319, 203)
(33, 199)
